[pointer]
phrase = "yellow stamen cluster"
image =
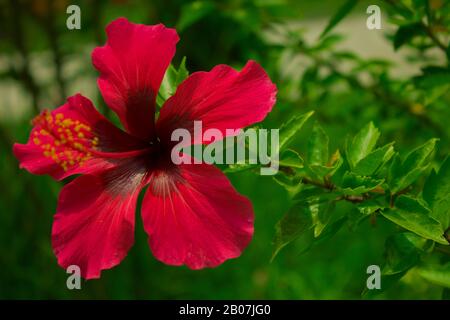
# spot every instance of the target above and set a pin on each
(66, 141)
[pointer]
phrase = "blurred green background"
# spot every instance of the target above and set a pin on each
(348, 80)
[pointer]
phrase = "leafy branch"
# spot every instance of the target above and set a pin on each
(375, 180)
(424, 26)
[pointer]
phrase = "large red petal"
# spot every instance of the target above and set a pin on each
(70, 139)
(94, 224)
(132, 65)
(194, 216)
(222, 99)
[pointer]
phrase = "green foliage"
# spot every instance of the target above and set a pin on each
(288, 130)
(412, 215)
(437, 274)
(362, 182)
(406, 33)
(343, 11)
(318, 146)
(171, 81)
(404, 173)
(296, 221)
(368, 182)
(436, 193)
(403, 251)
(362, 144)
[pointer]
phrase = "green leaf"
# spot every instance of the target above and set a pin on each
(342, 12)
(308, 222)
(353, 184)
(418, 156)
(362, 144)
(193, 12)
(414, 216)
(363, 210)
(322, 215)
(406, 33)
(292, 183)
(331, 229)
(403, 174)
(321, 205)
(437, 274)
(313, 194)
(172, 79)
(295, 222)
(368, 207)
(403, 252)
(374, 160)
(436, 193)
(291, 158)
(318, 146)
(290, 128)
(319, 172)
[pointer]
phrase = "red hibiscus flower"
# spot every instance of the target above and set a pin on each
(191, 212)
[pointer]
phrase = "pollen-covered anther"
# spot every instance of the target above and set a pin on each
(64, 140)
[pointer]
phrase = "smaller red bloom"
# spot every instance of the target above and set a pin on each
(192, 214)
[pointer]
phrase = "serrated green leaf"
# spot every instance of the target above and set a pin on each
(340, 14)
(362, 144)
(418, 156)
(374, 160)
(413, 215)
(363, 210)
(403, 174)
(290, 128)
(318, 172)
(295, 222)
(318, 146)
(436, 193)
(353, 184)
(368, 207)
